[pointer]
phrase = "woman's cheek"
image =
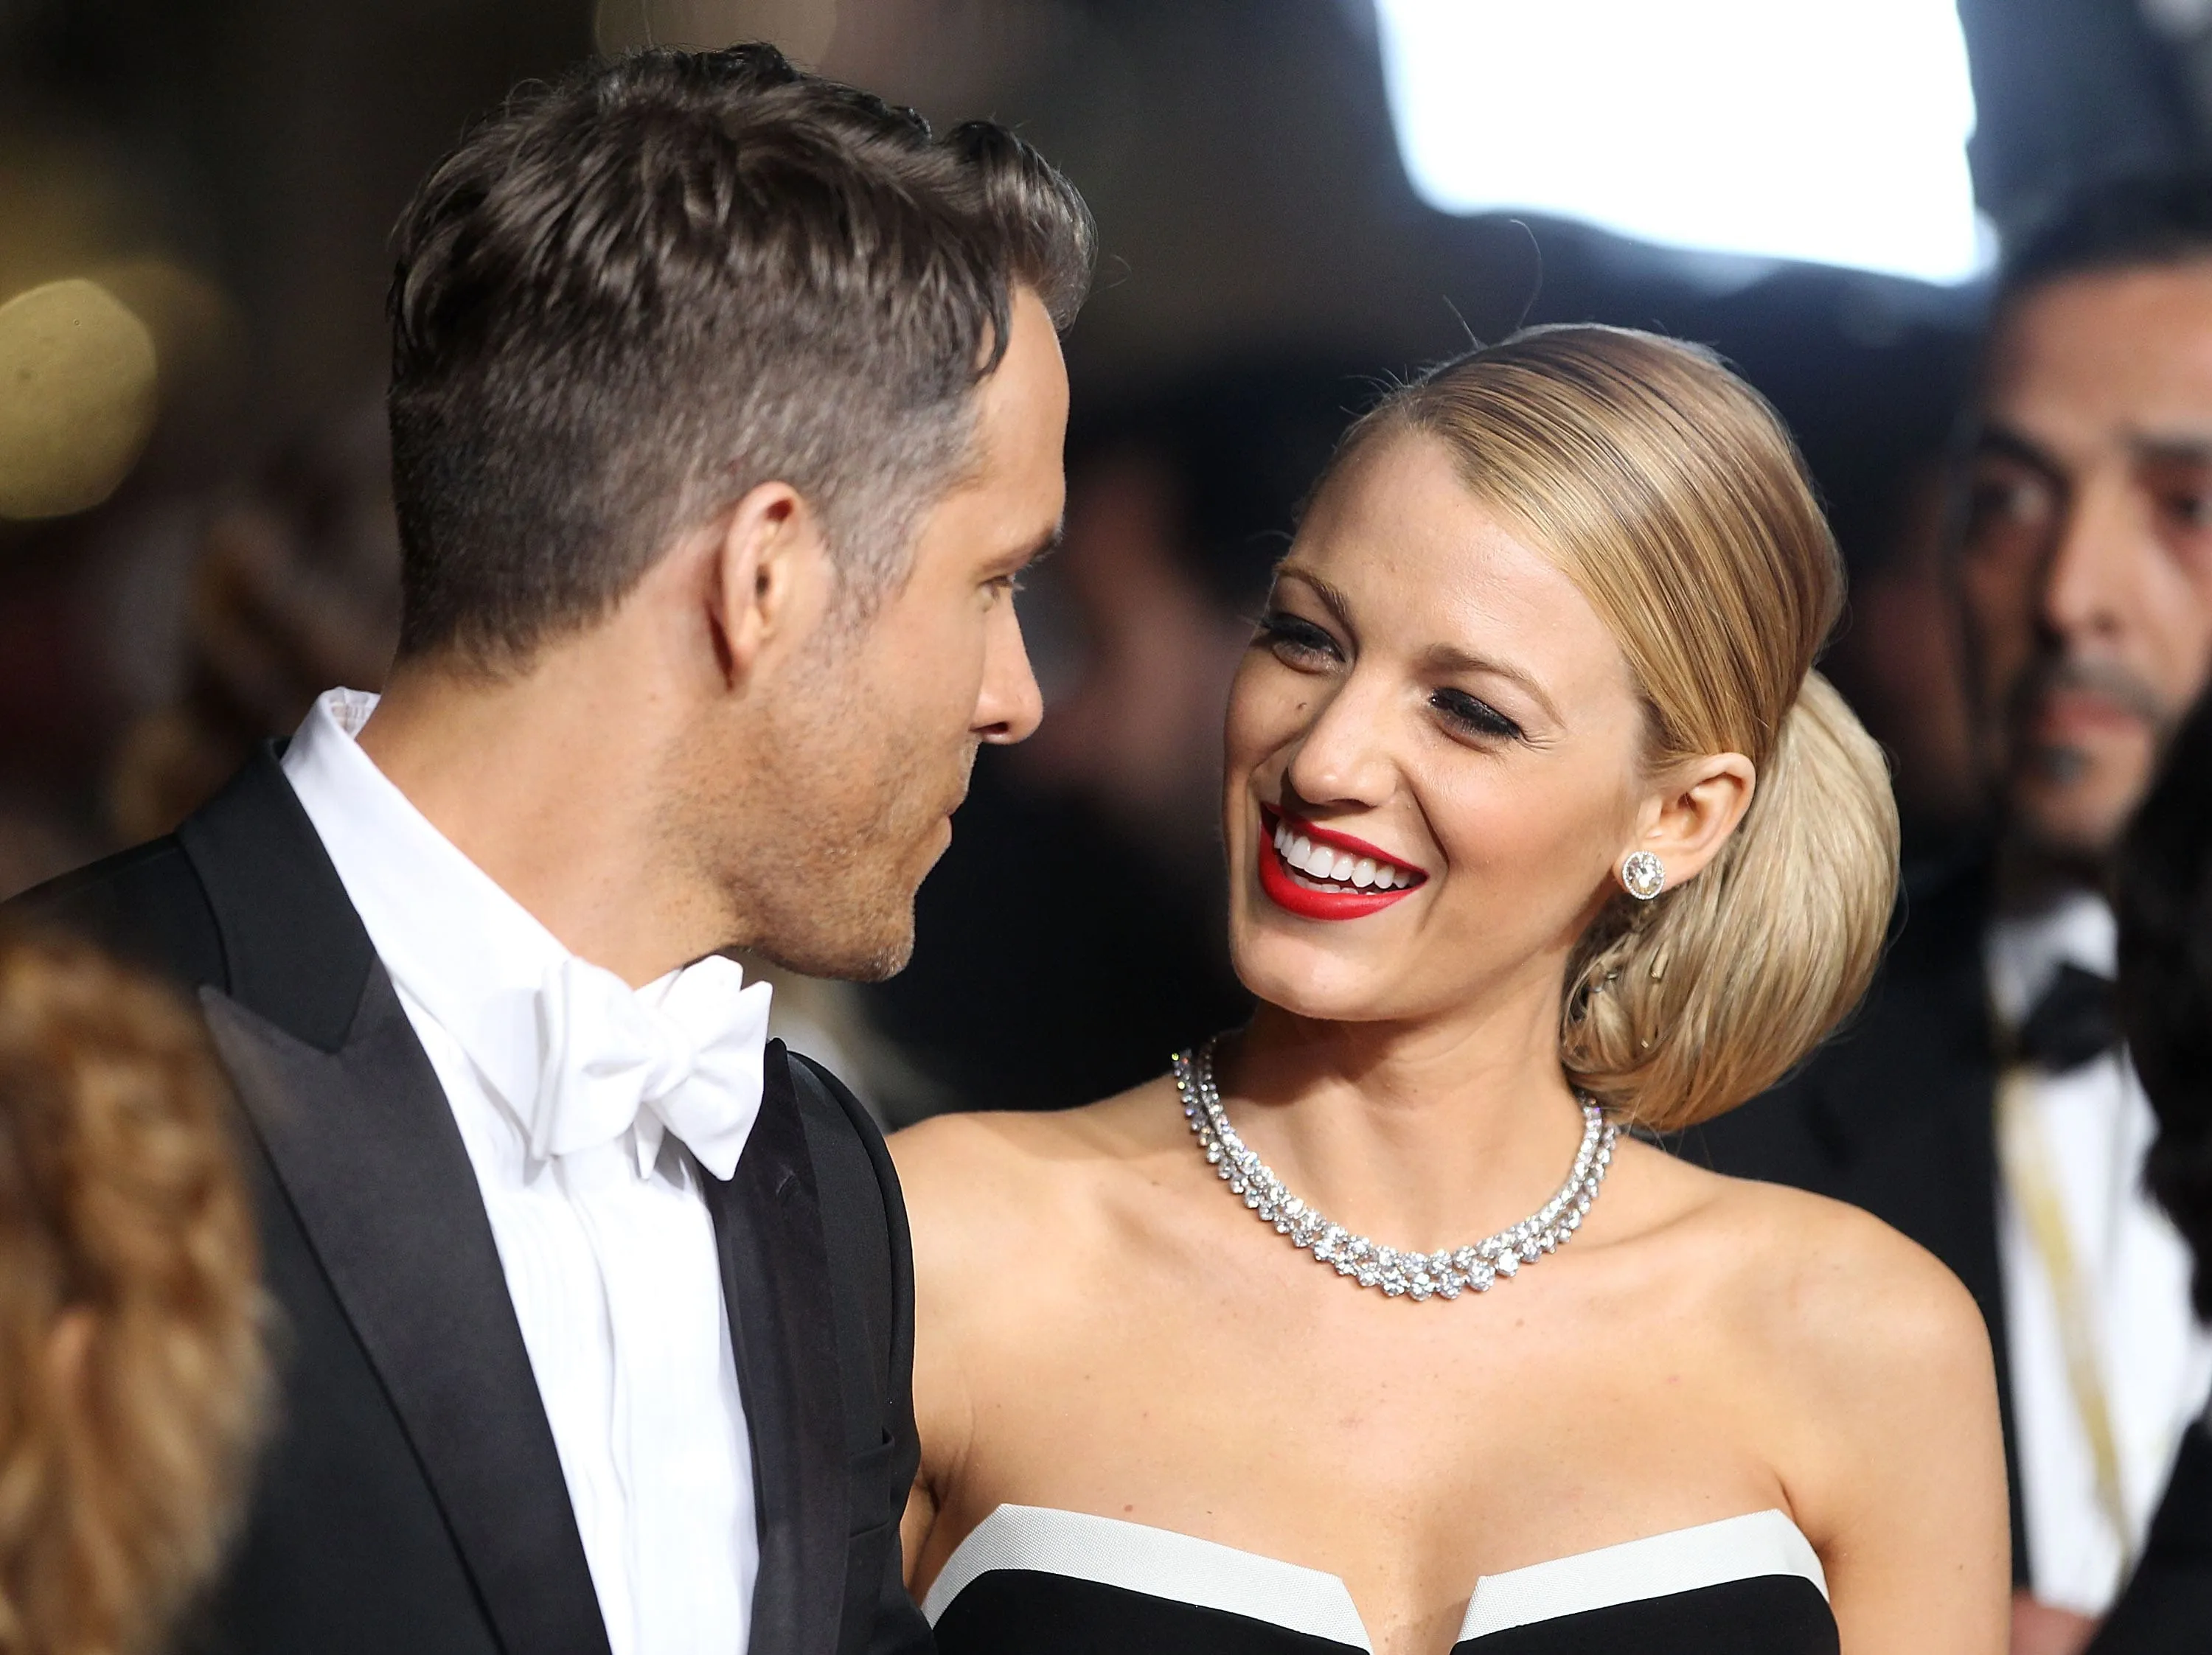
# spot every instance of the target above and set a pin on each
(1266, 703)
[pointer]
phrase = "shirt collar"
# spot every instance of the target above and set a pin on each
(2024, 951)
(472, 956)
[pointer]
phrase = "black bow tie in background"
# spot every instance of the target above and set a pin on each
(2074, 1022)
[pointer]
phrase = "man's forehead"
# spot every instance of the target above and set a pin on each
(2109, 356)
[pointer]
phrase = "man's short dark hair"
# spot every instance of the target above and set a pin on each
(2117, 223)
(632, 296)
(2162, 893)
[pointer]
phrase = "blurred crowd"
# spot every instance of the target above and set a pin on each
(2019, 476)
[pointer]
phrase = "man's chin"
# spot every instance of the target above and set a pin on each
(858, 954)
(2074, 813)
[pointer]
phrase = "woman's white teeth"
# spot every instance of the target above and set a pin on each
(1320, 862)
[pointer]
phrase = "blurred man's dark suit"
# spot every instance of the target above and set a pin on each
(1897, 1114)
(412, 1498)
(2167, 1604)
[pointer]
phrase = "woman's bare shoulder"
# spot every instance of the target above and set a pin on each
(1828, 1279)
(1867, 1358)
(987, 1170)
(1864, 1366)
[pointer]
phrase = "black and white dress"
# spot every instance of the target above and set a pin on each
(1035, 1581)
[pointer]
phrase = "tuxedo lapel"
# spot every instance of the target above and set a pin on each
(294, 949)
(776, 1283)
(365, 1148)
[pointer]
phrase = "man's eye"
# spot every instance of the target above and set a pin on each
(1295, 641)
(2192, 510)
(2007, 512)
(2000, 500)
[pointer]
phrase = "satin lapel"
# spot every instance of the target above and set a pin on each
(366, 1149)
(294, 949)
(775, 1282)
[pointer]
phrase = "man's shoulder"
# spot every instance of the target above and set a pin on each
(858, 1185)
(1942, 909)
(146, 904)
(1915, 1049)
(830, 1110)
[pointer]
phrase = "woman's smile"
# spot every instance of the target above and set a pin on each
(1317, 873)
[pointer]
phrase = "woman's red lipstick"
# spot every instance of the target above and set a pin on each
(1285, 891)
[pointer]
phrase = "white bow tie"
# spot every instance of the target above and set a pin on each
(683, 1055)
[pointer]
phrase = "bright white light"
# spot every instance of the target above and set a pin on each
(1832, 131)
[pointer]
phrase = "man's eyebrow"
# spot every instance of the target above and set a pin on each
(1451, 658)
(1047, 543)
(2005, 443)
(1030, 553)
(2172, 448)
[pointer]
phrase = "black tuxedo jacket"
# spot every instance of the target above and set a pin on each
(411, 1501)
(2166, 1608)
(1897, 1114)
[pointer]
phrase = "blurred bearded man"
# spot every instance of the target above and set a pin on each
(727, 404)
(1982, 1104)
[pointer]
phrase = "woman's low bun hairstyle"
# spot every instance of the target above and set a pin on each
(1670, 492)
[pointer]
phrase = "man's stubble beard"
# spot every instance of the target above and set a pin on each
(837, 816)
(2055, 836)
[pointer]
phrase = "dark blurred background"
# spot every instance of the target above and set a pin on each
(194, 537)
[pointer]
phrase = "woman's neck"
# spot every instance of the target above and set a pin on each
(1421, 1134)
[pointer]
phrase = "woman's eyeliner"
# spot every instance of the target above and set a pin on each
(1288, 634)
(1476, 716)
(1279, 631)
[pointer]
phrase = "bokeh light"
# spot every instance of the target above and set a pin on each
(79, 389)
(1828, 131)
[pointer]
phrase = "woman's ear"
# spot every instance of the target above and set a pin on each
(770, 579)
(1689, 817)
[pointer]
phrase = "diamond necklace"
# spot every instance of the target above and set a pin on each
(1409, 1275)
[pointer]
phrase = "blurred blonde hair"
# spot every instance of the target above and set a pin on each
(1669, 492)
(120, 1203)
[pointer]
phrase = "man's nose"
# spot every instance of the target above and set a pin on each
(2092, 569)
(1011, 706)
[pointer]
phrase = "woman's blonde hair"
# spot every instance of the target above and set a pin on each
(120, 1204)
(1669, 492)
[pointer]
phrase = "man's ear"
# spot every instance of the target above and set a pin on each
(1689, 817)
(769, 578)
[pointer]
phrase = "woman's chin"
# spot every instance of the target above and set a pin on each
(1308, 981)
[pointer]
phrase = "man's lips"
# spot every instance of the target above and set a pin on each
(1301, 891)
(2060, 714)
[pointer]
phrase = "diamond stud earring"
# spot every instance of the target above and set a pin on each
(1643, 876)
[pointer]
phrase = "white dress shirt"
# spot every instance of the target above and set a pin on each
(2152, 1356)
(608, 1250)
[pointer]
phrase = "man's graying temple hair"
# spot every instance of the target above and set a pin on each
(630, 297)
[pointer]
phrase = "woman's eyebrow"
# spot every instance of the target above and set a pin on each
(1332, 599)
(1451, 658)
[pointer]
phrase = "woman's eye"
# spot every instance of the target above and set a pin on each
(1474, 715)
(1296, 641)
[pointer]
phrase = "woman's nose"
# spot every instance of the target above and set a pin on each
(1343, 757)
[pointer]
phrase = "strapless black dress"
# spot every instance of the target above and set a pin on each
(1032, 1581)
